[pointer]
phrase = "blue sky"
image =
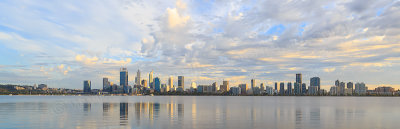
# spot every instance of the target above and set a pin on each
(62, 43)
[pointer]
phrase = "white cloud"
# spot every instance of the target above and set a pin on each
(175, 19)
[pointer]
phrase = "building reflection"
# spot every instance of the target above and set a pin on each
(299, 117)
(147, 112)
(106, 107)
(87, 107)
(315, 117)
(123, 113)
(138, 112)
(181, 109)
(194, 114)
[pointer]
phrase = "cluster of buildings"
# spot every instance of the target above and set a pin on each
(297, 88)
(140, 86)
(36, 89)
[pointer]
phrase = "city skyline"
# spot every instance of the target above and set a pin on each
(63, 43)
(300, 86)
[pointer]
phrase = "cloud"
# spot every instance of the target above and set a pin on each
(175, 19)
(329, 69)
(86, 60)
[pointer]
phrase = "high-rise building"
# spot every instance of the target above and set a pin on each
(243, 88)
(282, 88)
(151, 80)
(171, 82)
(269, 90)
(253, 83)
(106, 85)
(289, 88)
(315, 81)
(123, 79)
(313, 90)
(303, 89)
(87, 86)
(262, 87)
(297, 88)
(337, 83)
(214, 87)
(350, 85)
(276, 86)
(181, 82)
(137, 78)
(299, 78)
(333, 90)
(360, 88)
(235, 91)
(157, 84)
(225, 86)
(342, 88)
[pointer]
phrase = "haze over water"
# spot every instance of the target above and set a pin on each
(198, 112)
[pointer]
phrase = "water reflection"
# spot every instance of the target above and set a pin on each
(202, 112)
(87, 107)
(123, 113)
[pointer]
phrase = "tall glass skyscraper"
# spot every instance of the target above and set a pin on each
(303, 89)
(282, 88)
(157, 84)
(137, 78)
(253, 84)
(298, 78)
(289, 88)
(181, 82)
(123, 79)
(87, 86)
(315, 81)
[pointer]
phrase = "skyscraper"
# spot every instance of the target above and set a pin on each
(106, 85)
(350, 85)
(282, 88)
(342, 88)
(337, 82)
(157, 84)
(181, 82)
(276, 86)
(303, 89)
(289, 88)
(299, 78)
(151, 80)
(315, 81)
(253, 83)
(87, 86)
(243, 88)
(171, 82)
(297, 88)
(360, 88)
(225, 85)
(123, 79)
(137, 78)
(214, 87)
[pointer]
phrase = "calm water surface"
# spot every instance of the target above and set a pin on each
(201, 112)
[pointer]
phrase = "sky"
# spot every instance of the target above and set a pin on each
(61, 43)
